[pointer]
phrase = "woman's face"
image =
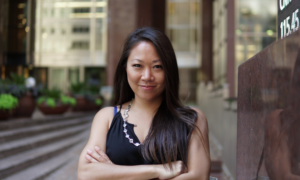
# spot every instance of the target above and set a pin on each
(144, 71)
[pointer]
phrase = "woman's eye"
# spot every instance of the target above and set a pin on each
(136, 65)
(158, 66)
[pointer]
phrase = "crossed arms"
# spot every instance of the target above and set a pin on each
(94, 164)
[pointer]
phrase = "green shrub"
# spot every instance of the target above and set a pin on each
(51, 93)
(51, 97)
(98, 101)
(8, 102)
(13, 87)
(78, 88)
(51, 102)
(16, 79)
(68, 100)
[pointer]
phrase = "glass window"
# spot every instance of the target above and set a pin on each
(81, 29)
(62, 12)
(256, 27)
(81, 10)
(99, 9)
(52, 12)
(183, 29)
(59, 75)
(80, 45)
(183, 24)
(73, 75)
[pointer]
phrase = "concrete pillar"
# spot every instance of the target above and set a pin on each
(230, 68)
(152, 13)
(2, 22)
(207, 41)
(124, 16)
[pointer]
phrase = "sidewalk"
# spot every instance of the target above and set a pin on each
(216, 160)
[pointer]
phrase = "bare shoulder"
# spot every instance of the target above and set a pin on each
(201, 120)
(104, 116)
(100, 128)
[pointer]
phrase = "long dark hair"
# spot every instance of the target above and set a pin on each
(173, 122)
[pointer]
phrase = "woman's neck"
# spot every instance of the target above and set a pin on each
(146, 106)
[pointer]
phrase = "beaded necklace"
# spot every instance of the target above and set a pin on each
(125, 125)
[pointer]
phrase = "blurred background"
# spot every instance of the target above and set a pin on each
(73, 46)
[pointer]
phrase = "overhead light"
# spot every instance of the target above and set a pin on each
(27, 29)
(270, 32)
(24, 21)
(21, 16)
(21, 5)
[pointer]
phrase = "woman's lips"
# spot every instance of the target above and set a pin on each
(147, 87)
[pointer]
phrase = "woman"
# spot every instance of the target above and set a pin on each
(149, 134)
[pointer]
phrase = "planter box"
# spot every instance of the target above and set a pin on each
(81, 104)
(93, 107)
(59, 109)
(5, 114)
(26, 106)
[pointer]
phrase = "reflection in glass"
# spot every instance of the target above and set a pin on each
(282, 134)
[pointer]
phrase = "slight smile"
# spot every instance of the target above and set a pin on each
(147, 87)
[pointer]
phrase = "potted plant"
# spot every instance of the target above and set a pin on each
(16, 86)
(93, 98)
(53, 102)
(78, 91)
(7, 104)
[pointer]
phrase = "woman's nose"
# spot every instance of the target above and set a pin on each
(147, 75)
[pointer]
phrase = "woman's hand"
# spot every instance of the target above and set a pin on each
(167, 173)
(97, 156)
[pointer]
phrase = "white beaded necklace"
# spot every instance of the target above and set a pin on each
(125, 124)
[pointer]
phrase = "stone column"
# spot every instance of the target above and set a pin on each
(121, 21)
(124, 16)
(207, 41)
(30, 30)
(152, 13)
(1, 31)
(230, 68)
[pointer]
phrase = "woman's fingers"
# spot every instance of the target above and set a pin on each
(95, 156)
(103, 155)
(90, 159)
(99, 155)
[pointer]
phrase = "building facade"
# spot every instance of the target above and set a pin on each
(17, 36)
(183, 29)
(71, 41)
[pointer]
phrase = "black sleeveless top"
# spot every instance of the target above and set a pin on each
(119, 150)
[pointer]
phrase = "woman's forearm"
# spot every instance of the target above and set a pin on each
(100, 171)
(190, 176)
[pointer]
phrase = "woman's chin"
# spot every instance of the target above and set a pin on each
(149, 98)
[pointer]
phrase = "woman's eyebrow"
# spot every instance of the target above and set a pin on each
(137, 60)
(155, 61)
